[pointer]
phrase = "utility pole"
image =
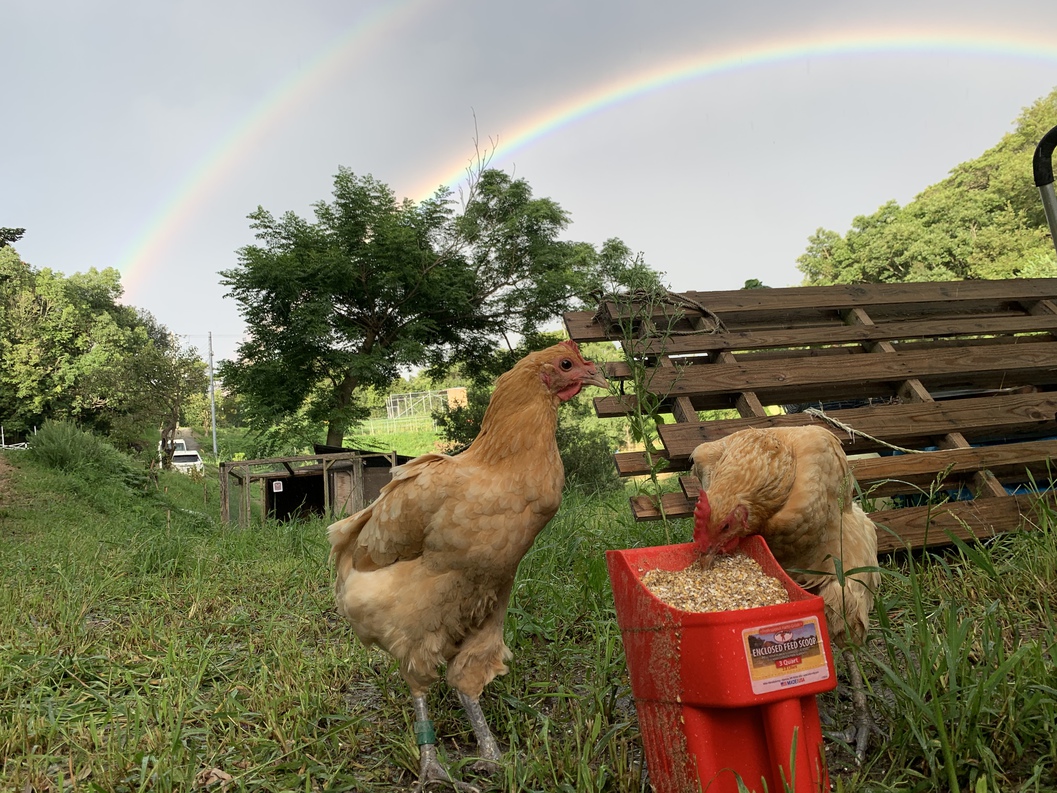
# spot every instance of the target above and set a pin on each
(212, 397)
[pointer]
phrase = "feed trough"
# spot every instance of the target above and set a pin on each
(724, 695)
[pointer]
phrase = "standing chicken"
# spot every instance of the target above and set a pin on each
(793, 486)
(427, 569)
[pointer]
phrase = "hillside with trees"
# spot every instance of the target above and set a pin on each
(985, 220)
(71, 351)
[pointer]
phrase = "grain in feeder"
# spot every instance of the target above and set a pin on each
(732, 583)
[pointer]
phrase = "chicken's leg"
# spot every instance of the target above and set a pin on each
(859, 734)
(487, 747)
(856, 736)
(430, 771)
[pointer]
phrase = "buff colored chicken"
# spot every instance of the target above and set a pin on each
(793, 486)
(426, 571)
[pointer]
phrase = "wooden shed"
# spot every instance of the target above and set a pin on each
(329, 483)
(948, 389)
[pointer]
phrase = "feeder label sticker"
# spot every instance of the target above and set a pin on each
(785, 655)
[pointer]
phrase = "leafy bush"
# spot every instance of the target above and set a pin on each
(65, 447)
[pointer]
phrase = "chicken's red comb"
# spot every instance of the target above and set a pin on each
(702, 515)
(572, 345)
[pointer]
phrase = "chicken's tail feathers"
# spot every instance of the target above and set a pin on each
(849, 592)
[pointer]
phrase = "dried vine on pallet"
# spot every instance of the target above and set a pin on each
(653, 298)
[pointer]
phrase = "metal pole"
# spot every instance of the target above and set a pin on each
(1049, 206)
(212, 397)
(1042, 169)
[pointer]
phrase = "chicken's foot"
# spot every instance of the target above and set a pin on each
(430, 771)
(487, 747)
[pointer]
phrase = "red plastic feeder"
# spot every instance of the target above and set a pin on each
(725, 695)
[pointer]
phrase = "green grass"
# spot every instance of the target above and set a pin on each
(143, 646)
(409, 442)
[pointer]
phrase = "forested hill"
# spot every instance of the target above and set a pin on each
(985, 220)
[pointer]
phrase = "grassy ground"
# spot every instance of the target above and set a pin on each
(143, 646)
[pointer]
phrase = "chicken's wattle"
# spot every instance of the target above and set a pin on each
(570, 391)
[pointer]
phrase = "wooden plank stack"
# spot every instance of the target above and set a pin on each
(948, 386)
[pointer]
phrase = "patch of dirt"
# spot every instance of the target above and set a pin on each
(5, 475)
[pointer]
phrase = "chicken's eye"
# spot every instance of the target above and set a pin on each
(566, 364)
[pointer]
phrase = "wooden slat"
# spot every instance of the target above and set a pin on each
(920, 527)
(913, 425)
(711, 386)
(1035, 362)
(787, 356)
(1016, 463)
(634, 463)
(581, 327)
(1010, 462)
(943, 295)
(884, 300)
(675, 505)
(842, 334)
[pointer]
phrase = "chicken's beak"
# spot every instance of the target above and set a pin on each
(596, 378)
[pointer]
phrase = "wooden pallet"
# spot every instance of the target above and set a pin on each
(962, 374)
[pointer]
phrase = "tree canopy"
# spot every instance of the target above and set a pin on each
(71, 351)
(9, 236)
(374, 285)
(985, 220)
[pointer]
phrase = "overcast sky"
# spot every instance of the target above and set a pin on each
(714, 137)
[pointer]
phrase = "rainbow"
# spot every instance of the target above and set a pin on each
(270, 110)
(263, 117)
(713, 64)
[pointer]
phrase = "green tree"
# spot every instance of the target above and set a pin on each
(9, 236)
(375, 285)
(985, 220)
(71, 351)
(58, 332)
(172, 378)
